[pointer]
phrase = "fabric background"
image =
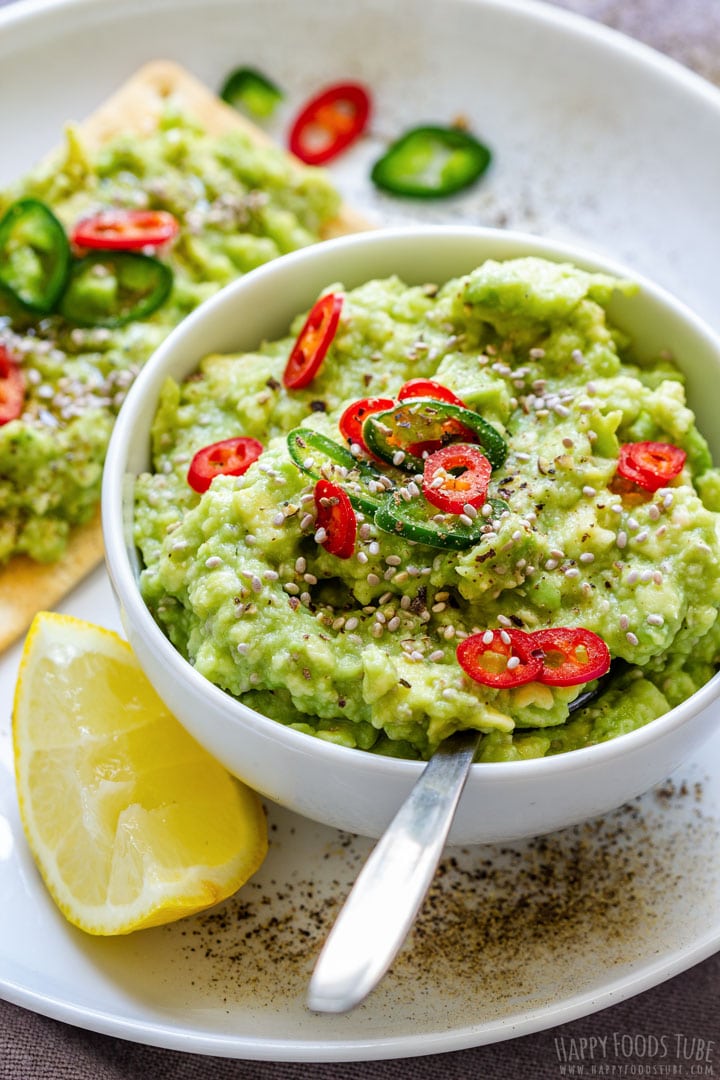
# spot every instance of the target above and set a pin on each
(33, 1047)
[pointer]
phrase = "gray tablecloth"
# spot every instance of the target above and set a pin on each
(671, 1030)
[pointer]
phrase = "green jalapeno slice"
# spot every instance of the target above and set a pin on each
(431, 162)
(420, 426)
(111, 288)
(34, 255)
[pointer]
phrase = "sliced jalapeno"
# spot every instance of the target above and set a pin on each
(419, 521)
(430, 162)
(248, 90)
(34, 255)
(111, 288)
(323, 459)
(402, 434)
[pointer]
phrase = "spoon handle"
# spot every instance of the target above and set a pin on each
(386, 897)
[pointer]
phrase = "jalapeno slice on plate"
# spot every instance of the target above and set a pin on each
(248, 90)
(431, 162)
(402, 435)
(34, 255)
(111, 288)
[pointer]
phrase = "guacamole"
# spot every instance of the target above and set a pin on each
(361, 650)
(237, 206)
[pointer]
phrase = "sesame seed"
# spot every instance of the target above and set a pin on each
(320, 535)
(377, 630)
(621, 539)
(405, 602)
(250, 539)
(310, 579)
(385, 597)
(374, 548)
(655, 620)
(398, 457)
(504, 621)
(587, 557)
(306, 522)
(437, 608)
(415, 655)
(436, 655)
(291, 588)
(300, 565)
(373, 579)
(632, 577)
(365, 531)
(642, 536)
(577, 357)
(393, 560)
(352, 623)
(572, 572)
(623, 622)
(271, 575)
(379, 617)
(243, 648)
(448, 633)
(505, 637)
(256, 584)
(654, 512)
(633, 524)
(668, 500)
(465, 520)
(213, 562)
(338, 623)
(589, 492)
(631, 638)
(513, 662)
(361, 557)
(657, 577)
(394, 624)
(488, 637)
(551, 564)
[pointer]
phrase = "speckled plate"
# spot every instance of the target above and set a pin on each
(596, 139)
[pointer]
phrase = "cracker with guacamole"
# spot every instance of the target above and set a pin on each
(160, 198)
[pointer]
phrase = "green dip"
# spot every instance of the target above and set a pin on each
(237, 205)
(361, 651)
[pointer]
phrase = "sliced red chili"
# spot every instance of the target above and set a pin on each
(351, 421)
(336, 517)
(455, 477)
(229, 457)
(428, 388)
(330, 122)
(650, 465)
(313, 341)
(500, 658)
(570, 655)
(12, 387)
(126, 230)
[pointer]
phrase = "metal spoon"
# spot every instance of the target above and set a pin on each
(388, 893)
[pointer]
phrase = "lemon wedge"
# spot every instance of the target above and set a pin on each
(130, 821)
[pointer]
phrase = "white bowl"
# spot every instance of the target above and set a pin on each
(351, 789)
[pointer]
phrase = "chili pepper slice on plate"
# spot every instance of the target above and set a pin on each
(455, 477)
(111, 288)
(570, 655)
(413, 428)
(313, 341)
(431, 162)
(650, 465)
(330, 122)
(501, 659)
(335, 518)
(428, 388)
(351, 422)
(248, 90)
(34, 255)
(126, 230)
(323, 458)
(229, 457)
(12, 387)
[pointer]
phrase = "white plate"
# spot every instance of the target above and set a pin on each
(596, 139)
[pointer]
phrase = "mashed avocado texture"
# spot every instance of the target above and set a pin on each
(237, 206)
(361, 650)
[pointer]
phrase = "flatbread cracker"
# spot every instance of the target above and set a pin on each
(27, 586)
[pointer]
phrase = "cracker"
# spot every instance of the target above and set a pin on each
(27, 586)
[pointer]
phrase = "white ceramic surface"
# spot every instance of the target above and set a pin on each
(332, 784)
(632, 169)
